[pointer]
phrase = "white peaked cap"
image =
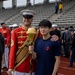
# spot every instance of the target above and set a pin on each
(54, 25)
(28, 12)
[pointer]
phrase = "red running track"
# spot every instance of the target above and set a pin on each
(64, 69)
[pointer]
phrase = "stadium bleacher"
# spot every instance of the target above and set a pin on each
(67, 18)
(43, 11)
(8, 13)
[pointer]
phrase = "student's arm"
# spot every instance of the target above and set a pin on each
(56, 65)
(31, 51)
(34, 55)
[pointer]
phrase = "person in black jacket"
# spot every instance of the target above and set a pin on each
(55, 31)
(72, 49)
(2, 46)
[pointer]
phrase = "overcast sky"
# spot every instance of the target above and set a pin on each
(8, 3)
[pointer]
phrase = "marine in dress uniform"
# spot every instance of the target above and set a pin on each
(19, 57)
(7, 37)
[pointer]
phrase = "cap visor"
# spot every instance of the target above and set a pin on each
(28, 16)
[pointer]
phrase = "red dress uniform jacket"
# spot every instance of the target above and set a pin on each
(7, 35)
(18, 37)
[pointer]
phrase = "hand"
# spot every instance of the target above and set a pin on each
(54, 38)
(53, 73)
(31, 48)
(10, 72)
(70, 54)
(5, 38)
(34, 56)
(6, 45)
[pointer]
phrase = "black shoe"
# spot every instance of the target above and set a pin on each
(5, 67)
(70, 66)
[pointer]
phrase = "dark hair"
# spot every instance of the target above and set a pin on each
(2, 23)
(66, 28)
(71, 27)
(45, 23)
